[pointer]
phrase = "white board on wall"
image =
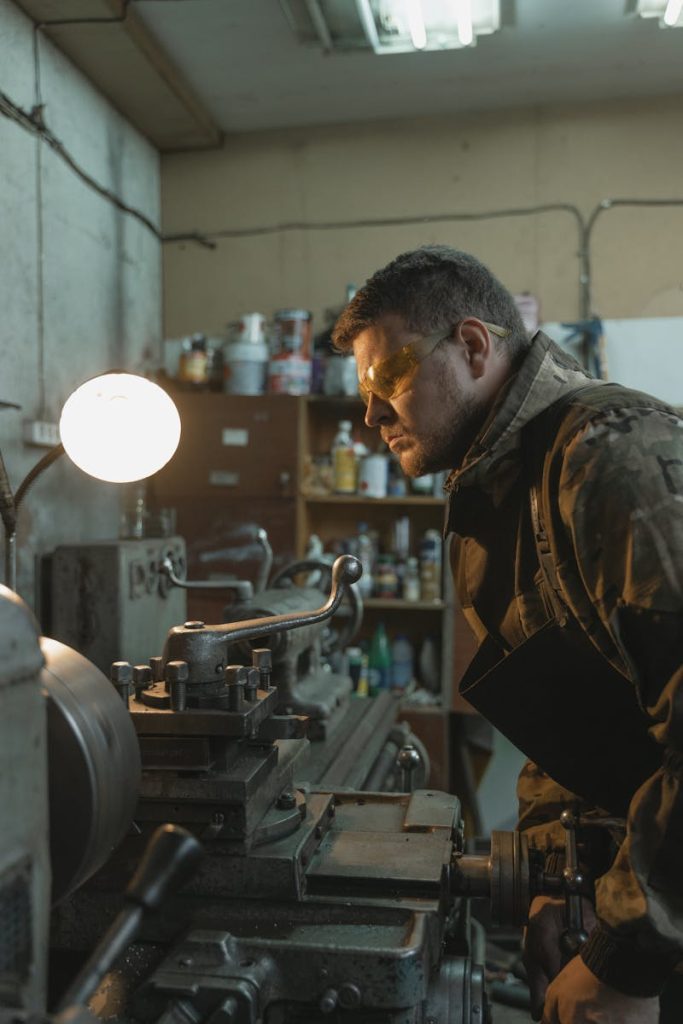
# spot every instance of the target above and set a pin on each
(645, 354)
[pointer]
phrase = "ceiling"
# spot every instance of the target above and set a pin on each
(213, 67)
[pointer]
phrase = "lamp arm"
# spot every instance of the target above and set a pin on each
(48, 458)
(9, 508)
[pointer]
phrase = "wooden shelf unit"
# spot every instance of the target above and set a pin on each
(336, 516)
(242, 460)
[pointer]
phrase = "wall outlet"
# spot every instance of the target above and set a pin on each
(41, 433)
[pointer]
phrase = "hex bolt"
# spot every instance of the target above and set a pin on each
(349, 996)
(235, 679)
(251, 686)
(328, 1001)
(262, 659)
(286, 800)
(176, 674)
(142, 678)
(121, 675)
(157, 666)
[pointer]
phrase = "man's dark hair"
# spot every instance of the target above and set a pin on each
(432, 288)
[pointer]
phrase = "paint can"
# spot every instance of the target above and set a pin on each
(373, 476)
(245, 364)
(292, 332)
(289, 375)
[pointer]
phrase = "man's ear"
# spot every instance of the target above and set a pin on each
(477, 345)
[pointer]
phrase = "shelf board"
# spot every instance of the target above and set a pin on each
(360, 499)
(395, 603)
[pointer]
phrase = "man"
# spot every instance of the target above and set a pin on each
(566, 509)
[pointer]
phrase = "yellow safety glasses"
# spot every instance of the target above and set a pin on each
(392, 376)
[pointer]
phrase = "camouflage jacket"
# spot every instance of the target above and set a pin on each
(616, 534)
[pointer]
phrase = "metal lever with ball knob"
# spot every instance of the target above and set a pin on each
(170, 859)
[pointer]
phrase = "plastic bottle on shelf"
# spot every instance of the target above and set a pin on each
(363, 688)
(354, 657)
(344, 462)
(422, 484)
(430, 565)
(379, 661)
(386, 578)
(428, 666)
(366, 555)
(193, 363)
(411, 581)
(397, 485)
(360, 448)
(402, 663)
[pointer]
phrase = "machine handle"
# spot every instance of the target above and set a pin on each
(171, 857)
(346, 570)
(574, 934)
(243, 589)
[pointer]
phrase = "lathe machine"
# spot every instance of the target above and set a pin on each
(307, 899)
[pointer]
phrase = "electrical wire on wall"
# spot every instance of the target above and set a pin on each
(33, 121)
(603, 206)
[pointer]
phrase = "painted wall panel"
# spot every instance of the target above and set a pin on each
(578, 154)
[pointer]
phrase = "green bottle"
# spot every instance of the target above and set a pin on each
(379, 663)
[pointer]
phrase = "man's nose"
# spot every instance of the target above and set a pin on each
(378, 411)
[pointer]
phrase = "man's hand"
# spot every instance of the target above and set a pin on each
(576, 996)
(542, 957)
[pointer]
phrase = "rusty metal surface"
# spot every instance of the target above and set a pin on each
(204, 721)
(368, 848)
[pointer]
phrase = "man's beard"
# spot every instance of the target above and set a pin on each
(446, 447)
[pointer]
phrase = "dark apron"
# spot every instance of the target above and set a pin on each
(564, 706)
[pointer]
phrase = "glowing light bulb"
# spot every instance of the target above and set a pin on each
(119, 427)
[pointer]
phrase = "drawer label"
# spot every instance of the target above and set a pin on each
(223, 478)
(235, 437)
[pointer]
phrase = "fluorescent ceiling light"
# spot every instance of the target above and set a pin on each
(392, 26)
(669, 12)
(416, 25)
(465, 27)
(672, 13)
(402, 26)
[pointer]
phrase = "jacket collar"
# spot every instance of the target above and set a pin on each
(546, 374)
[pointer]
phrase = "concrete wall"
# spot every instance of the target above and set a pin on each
(573, 154)
(101, 275)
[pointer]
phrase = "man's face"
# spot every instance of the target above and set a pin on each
(431, 424)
